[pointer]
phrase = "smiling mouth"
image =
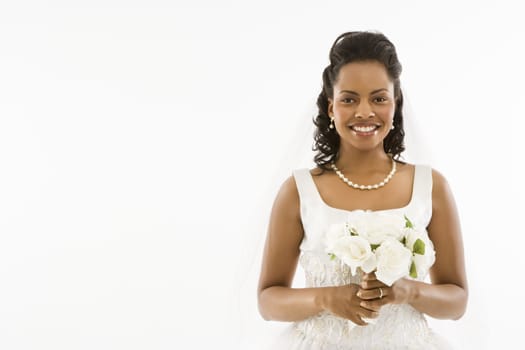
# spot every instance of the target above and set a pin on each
(362, 129)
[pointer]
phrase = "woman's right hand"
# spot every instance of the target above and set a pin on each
(343, 301)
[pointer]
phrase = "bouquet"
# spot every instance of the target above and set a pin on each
(388, 244)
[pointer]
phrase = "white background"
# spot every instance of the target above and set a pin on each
(142, 144)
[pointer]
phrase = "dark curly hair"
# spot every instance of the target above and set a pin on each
(353, 47)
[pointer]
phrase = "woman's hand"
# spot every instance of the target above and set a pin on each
(375, 294)
(343, 302)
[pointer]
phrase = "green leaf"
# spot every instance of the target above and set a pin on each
(408, 223)
(353, 232)
(332, 256)
(404, 240)
(374, 246)
(419, 247)
(413, 270)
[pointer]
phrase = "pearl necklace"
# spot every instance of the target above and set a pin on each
(365, 187)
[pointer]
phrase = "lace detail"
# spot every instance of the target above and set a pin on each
(321, 271)
(396, 324)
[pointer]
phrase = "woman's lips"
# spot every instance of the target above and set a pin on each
(364, 129)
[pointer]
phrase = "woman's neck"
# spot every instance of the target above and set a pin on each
(357, 161)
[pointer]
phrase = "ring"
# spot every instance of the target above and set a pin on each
(380, 293)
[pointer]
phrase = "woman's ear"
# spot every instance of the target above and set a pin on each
(330, 107)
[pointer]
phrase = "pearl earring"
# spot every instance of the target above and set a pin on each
(331, 123)
(392, 128)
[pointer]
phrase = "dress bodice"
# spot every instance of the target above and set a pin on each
(316, 215)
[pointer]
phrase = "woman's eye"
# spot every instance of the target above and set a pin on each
(381, 99)
(347, 100)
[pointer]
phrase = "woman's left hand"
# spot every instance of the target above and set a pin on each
(375, 294)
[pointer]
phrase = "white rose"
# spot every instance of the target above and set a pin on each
(376, 227)
(355, 252)
(423, 262)
(333, 234)
(393, 261)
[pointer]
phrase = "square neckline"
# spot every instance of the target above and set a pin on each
(326, 205)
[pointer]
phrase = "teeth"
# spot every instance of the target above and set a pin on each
(364, 128)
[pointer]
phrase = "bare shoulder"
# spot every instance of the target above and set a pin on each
(438, 179)
(441, 191)
(287, 199)
(289, 188)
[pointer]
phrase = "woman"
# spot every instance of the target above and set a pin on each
(359, 139)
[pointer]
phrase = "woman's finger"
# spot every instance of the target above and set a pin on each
(370, 284)
(367, 313)
(375, 304)
(369, 276)
(370, 294)
(357, 320)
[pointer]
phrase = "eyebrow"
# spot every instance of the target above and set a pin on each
(355, 93)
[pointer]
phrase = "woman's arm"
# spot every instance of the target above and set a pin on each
(447, 296)
(277, 300)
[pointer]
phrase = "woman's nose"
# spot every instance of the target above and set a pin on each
(364, 110)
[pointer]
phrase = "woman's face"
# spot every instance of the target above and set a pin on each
(363, 104)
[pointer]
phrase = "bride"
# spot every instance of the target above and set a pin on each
(358, 141)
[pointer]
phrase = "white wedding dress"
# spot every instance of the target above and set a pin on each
(398, 326)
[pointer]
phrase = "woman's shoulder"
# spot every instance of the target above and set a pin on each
(288, 191)
(437, 176)
(441, 191)
(438, 179)
(440, 184)
(287, 199)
